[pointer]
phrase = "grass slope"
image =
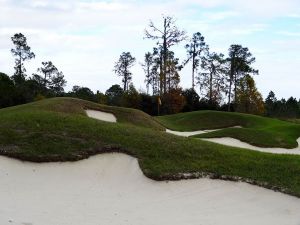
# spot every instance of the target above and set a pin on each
(58, 130)
(73, 106)
(257, 130)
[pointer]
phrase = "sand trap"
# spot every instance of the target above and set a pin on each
(108, 117)
(111, 189)
(237, 143)
(188, 133)
(191, 133)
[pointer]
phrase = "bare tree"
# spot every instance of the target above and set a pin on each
(166, 37)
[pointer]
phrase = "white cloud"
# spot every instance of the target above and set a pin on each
(222, 15)
(101, 6)
(289, 33)
(39, 3)
(84, 38)
(250, 29)
(294, 15)
(263, 8)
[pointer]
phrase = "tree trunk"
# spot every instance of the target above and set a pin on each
(124, 88)
(231, 74)
(161, 76)
(20, 66)
(229, 95)
(153, 84)
(193, 70)
(213, 71)
(165, 52)
(235, 86)
(125, 79)
(148, 78)
(210, 88)
(169, 80)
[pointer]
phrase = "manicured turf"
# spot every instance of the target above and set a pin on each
(257, 130)
(58, 130)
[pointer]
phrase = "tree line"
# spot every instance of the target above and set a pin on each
(48, 81)
(222, 80)
(282, 108)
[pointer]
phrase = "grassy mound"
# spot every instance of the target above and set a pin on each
(73, 106)
(257, 130)
(58, 130)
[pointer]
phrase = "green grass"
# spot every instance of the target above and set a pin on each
(257, 130)
(58, 130)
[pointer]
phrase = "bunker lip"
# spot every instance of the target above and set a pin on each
(114, 185)
(192, 133)
(100, 115)
(237, 143)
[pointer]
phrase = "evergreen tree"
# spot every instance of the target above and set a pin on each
(248, 99)
(191, 100)
(270, 104)
(22, 52)
(147, 67)
(172, 67)
(194, 49)
(213, 79)
(240, 61)
(114, 95)
(122, 66)
(7, 91)
(51, 79)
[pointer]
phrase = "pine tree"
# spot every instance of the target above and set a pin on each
(22, 52)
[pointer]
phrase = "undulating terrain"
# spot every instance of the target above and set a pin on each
(58, 129)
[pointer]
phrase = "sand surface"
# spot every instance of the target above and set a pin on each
(188, 133)
(237, 143)
(192, 133)
(111, 189)
(99, 115)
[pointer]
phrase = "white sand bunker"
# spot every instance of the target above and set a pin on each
(192, 133)
(111, 189)
(188, 133)
(237, 143)
(104, 116)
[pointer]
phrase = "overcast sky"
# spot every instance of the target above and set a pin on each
(84, 38)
